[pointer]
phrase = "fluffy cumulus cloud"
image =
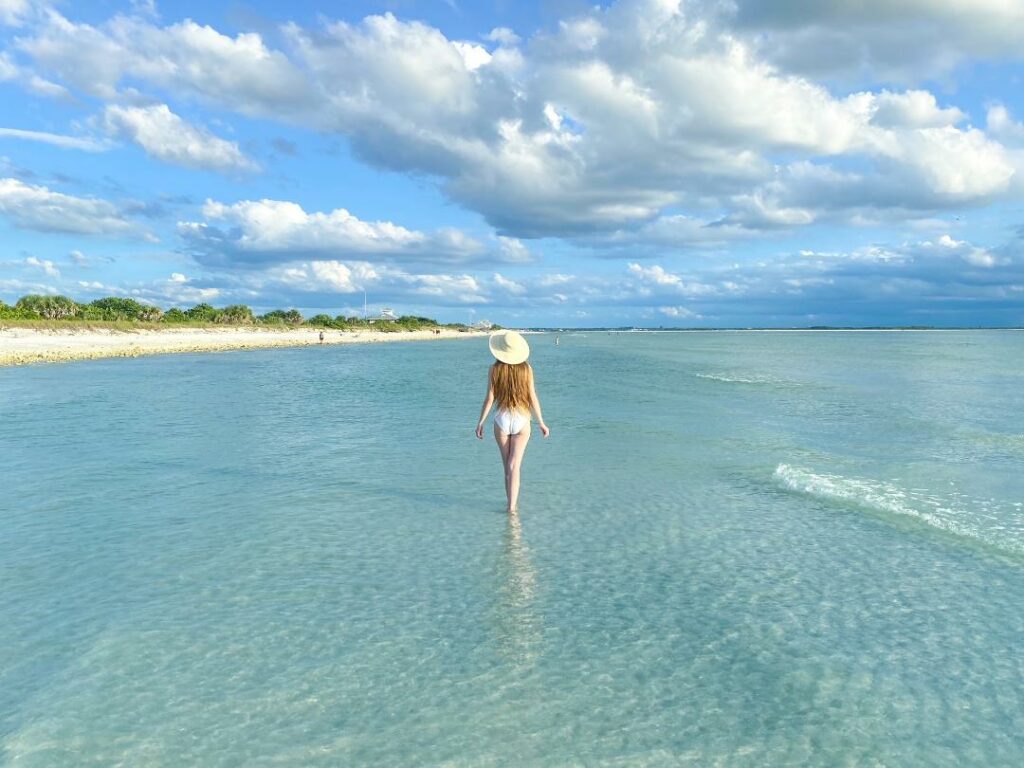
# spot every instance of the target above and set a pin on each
(1003, 126)
(913, 109)
(42, 209)
(334, 283)
(238, 72)
(679, 313)
(575, 133)
(263, 231)
(169, 138)
(45, 265)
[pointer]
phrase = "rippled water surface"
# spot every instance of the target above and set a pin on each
(736, 549)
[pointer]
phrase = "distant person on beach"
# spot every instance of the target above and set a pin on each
(510, 383)
(321, 337)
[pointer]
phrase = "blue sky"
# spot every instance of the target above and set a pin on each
(644, 162)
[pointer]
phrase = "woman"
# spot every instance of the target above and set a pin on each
(510, 383)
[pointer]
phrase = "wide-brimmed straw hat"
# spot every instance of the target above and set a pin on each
(509, 347)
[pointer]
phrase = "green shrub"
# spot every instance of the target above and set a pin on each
(47, 307)
(150, 314)
(116, 308)
(203, 313)
(89, 312)
(279, 316)
(7, 312)
(323, 321)
(236, 314)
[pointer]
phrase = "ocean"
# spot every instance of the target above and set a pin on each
(736, 548)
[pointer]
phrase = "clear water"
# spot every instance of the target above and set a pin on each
(735, 549)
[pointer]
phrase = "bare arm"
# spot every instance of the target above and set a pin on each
(488, 402)
(535, 407)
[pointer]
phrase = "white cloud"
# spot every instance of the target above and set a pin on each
(583, 33)
(45, 265)
(958, 165)
(79, 258)
(508, 285)
(331, 276)
(473, 56)
(1001, 125)
(659, 278)
(325, 277)
(178, 277)
(48, 88)
(463, 289)
(56, 139)
(277, 230)
(655, 274)
(618, 117)
(503, 36)
(547, 281)
(42, 209)
(187, 294)
(973, 255)
(169, 138)
(514, 250)
(12, 12)
(913, 109)
(145, 8)
(239, 73)
(8, 69)
(679, 312)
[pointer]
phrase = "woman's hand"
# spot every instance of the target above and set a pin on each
(480, 430)
(544, 429)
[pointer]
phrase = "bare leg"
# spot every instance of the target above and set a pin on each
(504, 445)
(514, 464)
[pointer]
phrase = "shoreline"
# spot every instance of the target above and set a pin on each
(26, 346)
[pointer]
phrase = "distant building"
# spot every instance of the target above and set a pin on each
(387, 314)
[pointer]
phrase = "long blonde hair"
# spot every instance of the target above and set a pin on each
(511, 385)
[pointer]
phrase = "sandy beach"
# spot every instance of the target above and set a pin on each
(22, 346)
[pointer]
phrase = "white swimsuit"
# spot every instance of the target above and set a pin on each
(511, 422)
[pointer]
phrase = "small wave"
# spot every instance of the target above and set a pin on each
(991, 522)
(738, 379)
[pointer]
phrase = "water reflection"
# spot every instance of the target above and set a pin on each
(516, 623)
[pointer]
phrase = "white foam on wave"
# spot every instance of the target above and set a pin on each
(738, 379)
(995, 523)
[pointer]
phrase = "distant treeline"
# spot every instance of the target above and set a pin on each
(117, 309)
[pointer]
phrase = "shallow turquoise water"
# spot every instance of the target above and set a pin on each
(736, 549)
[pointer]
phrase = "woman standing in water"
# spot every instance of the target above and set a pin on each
(510, 383)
